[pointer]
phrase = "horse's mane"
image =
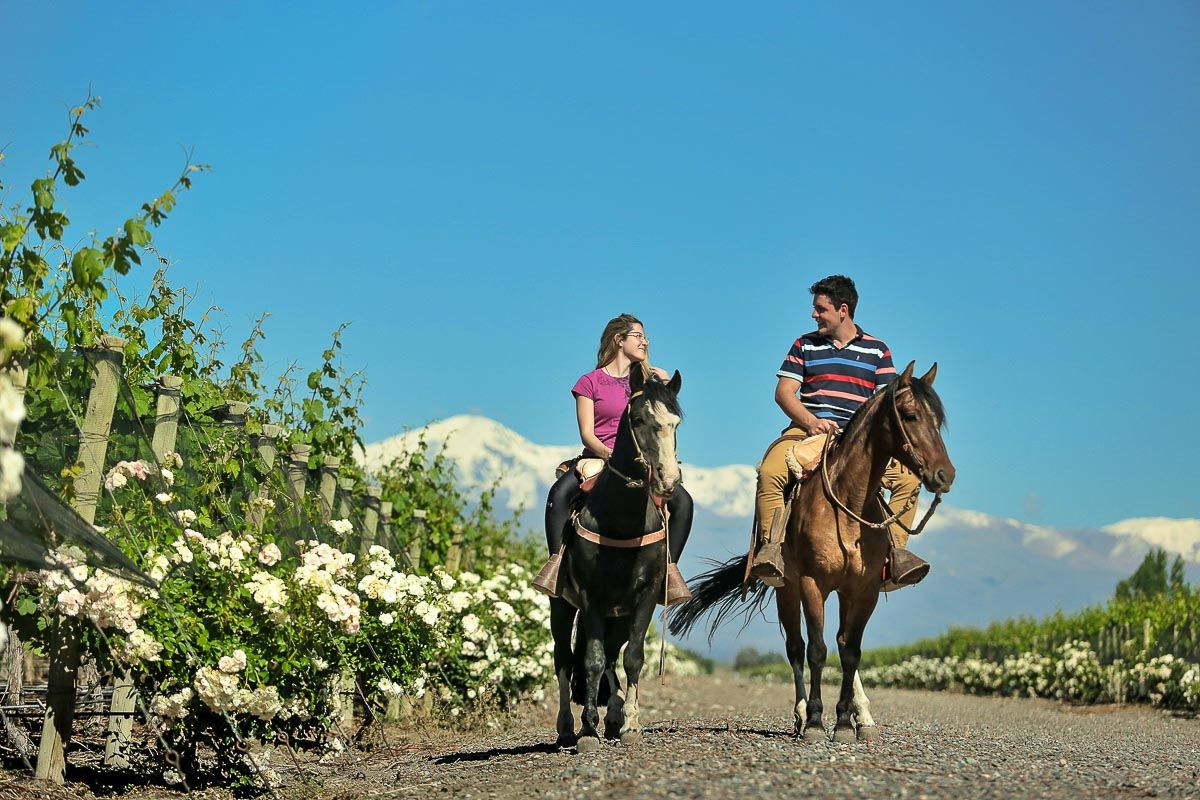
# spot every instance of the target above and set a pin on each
(655, 391)
(921, 390)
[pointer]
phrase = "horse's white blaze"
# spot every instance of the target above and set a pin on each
(666, 443)
(862, 706)
(632, 723)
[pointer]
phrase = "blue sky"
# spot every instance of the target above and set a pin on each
(477, 188)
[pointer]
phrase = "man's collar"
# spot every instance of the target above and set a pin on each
(858, 334)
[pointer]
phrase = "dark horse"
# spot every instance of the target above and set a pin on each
(613, 585)
(836, 543)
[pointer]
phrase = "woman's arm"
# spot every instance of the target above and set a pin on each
(585, 412)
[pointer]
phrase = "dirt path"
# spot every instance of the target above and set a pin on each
(722, 736)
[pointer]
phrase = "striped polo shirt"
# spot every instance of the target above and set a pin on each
(835, 382)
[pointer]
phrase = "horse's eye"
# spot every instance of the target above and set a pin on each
(909, 416)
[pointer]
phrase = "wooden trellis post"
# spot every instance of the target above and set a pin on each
(328, 485)
(370, 518)
(454, 554)
(385, 522)
(64, 640)
(124, 699)
(15, 653)
(414, 546)
(347, 487)
(297, 477)
(265, 444)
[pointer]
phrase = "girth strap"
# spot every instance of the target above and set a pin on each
(604, 541)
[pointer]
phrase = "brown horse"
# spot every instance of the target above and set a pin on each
(836, 543)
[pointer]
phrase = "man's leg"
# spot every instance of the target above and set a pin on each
(773, 479)
(903, 487)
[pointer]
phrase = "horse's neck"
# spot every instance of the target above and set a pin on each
(614, 504)
(860, 460)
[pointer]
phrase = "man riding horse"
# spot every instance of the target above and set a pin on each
(825, 377)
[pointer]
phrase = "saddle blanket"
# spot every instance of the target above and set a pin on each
(805, 455)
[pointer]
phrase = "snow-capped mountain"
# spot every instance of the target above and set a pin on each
(485, 451)
(984, 567)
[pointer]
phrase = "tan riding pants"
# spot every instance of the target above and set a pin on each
(773, 477)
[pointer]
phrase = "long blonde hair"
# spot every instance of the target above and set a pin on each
(619, 325)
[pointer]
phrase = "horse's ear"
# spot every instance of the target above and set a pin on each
(928, 377)
(906, 376)
(675, 383)
(636, 378)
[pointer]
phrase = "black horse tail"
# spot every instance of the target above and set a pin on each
(720, 588)
(579, 671)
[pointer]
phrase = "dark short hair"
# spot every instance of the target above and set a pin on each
(839, 289)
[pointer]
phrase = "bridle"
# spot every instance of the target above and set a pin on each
(637, 483)
(907, 448)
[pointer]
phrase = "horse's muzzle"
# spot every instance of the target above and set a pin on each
(939, 479)
(664, 489)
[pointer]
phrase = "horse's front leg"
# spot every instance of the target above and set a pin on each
(593, 662)
(635, 658)
(862, 712)
(616, 633)
(855, 613)
(814, 616)
(562, 624)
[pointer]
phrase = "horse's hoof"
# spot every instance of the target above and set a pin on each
(565, 740)
(587, 744)
(631, 737)
(814, 733)
(612, 732)
(867, 733)
(843, 736)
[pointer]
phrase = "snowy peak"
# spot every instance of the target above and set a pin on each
(1176, 536)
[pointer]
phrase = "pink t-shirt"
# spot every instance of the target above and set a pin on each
(610, 396)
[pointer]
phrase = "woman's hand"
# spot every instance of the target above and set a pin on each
(661, 374)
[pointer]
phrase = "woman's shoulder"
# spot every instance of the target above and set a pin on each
(590, 383)
(586, 385)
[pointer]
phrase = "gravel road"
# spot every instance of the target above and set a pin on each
(722, 736)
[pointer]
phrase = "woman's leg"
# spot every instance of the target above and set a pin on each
(558, 508)
(681, 508)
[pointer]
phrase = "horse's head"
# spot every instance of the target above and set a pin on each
(919, 417)
(654, 414)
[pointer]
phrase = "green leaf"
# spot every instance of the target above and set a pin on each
(137, 233)
(11, 235)
(314, 380)
(87, 265)
(21, 309)
(26, 606)
(43, 193)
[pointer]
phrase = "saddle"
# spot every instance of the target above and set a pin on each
(804, 456)
(588, 470)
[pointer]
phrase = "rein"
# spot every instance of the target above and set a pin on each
(911, 452)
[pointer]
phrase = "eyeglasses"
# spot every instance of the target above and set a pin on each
(638, 335)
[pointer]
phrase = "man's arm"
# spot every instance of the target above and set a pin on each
(785, 396)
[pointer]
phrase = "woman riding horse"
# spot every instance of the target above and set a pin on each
(615, 568)
(601, 397)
